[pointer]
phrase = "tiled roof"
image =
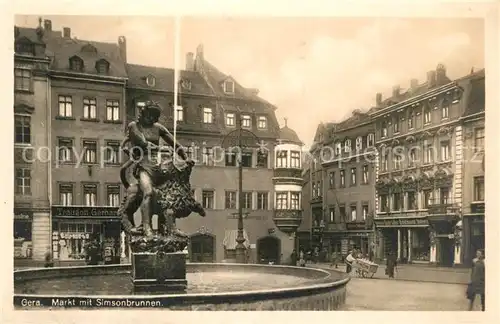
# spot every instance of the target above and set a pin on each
(476, 98)
(29, 33)
(61, 49)
(289, 135)
(164, 79)
(358, 117)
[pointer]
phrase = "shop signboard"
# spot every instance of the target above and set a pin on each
(355, 226)
(85, 212)
(402, 222)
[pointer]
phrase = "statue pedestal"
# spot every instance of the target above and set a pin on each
(159, 272)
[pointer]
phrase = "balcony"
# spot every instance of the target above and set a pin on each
(443, 209)
(287, 220)
(287, 173)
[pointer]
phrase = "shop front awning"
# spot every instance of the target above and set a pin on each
(230, 239)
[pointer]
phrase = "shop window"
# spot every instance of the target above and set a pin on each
(23, 247)
(74, 239)
(420, 245)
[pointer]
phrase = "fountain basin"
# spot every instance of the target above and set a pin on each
(211, 286)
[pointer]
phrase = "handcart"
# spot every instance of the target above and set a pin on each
(364, 268)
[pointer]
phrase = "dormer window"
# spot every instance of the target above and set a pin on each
(186, 84)
(246, 121)
(102, 66)
(262, 122)
(76, 64)
(25, 47)
(228, 86)
(151, 81)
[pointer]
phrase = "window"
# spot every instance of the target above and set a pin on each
(320, 188)
(102, 67)
(65, 106)
(23, 181)
(445, 109)
(384, 203)
(65, 149)
(395, 124)
(396, 201)
(411, 116)
(207, 199)
(371, 140)
(383, 130)
(22, 79)
(22, 129)
(66, 194)
(90, 195)
(478, 188)
(208, 116)
(412, 200)
(179, 113)
(25, 48)
(338, 148)
(89, 108)
(353, 213)
(342, 213)
(262, 122)
(262, 201)
(413, 157)
(314, 190)
(247, 200)
(112, 152)
(294, 159)
(427, 115)
(397, 161)
(230, 158)
(342, 178)
(385, 161)
(347, 146)
(331, 214)
(281, 159)
(113, 195)
(76, 64)
(331, 179)
(353, 176)
(246, 159)
(445, 151)
(295, 200)
(90, 151)
(262, 158)
(207, 155)
(246, 121)
(281, 200)
(365, 211)
(230, 119)
(366, 174)
(230, 200)
(479, 139)
(429, 154)
(428, 197)
(444, 195)
(359, 143)
(112, 110)
(229, 86)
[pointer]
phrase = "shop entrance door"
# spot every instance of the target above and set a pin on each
(269, 249)
(446, 253)
(202, 248)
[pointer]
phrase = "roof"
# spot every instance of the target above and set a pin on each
(358, 117)
(164, 79)
(289, 135)
(61, 49)
(476, 99)
(29, 33)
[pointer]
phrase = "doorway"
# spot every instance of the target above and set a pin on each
(446, 252)
(202, 248)
(269, 250)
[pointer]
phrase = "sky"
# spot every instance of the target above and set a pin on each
(313, 69)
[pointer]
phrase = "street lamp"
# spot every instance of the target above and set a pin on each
(243, 139)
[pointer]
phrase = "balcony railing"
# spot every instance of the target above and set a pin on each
(443, 209)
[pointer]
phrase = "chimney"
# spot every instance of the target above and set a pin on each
(190, 61)
(67, 32)
(378, 99)
(122, 45)
(441, 75)
(47, 25)
(199, 52)
(395, 91)
(431, 79)
(198, 64)
(413, 84)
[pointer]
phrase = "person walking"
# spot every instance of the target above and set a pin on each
(293, 258)
(49, 262)
(302, 261)
(390, 265)
(349, 260)
(477, 281)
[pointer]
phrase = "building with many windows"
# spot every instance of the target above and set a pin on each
(210, 109)
(420, 169)
(31, 129)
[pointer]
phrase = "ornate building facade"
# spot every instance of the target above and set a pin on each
(420, 170)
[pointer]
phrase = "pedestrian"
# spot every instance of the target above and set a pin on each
(349, 260)
(302, 261)
(477, 280)
(390, 265)
(49, 262)
(293, 258)
(370, 256)
(334, 259)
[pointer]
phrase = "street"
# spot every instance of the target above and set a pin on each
(394, 295)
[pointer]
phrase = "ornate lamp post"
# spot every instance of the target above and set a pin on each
(240, 138)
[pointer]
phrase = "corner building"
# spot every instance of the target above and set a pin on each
(419, 187)
(211, 105)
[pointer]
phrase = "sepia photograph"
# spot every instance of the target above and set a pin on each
(249, 163)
